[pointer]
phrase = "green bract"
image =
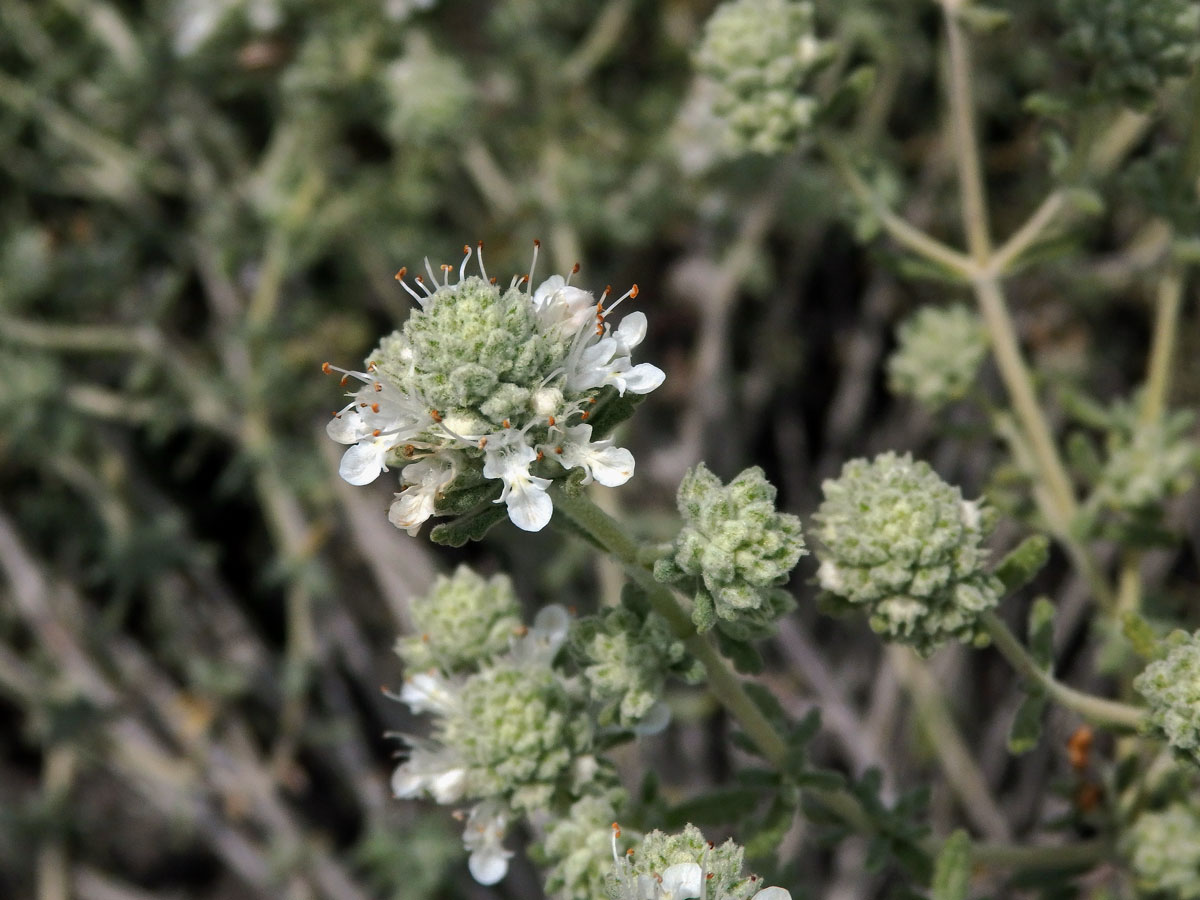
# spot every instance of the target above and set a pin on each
(938, 355)
(462, 621)
(1163, 849)
(1131, 46)
(733, 552)
(905, 546)
(1171, 686)
(759, 53)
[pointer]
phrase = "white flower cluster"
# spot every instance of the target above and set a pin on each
(449, 773)
(491, 382)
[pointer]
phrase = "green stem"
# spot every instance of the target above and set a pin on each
(724, 684)
(1026, 858)
(1097, 710)
(962, 117)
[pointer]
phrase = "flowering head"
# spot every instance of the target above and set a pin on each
(905, 546)
(1171, 686)
(938, 355)
(1163, 850)
(488, 395)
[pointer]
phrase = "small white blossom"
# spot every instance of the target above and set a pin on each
(600, 460)
(541, 643)
(424, 481)
(484, 840)
(529, 506)
(427, 692)
(430, 769)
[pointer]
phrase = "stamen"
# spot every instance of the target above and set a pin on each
(404, 284)
(446, 270)
(435, 415)
(423, 286)
(537, 245)
(574, 271)
(326, 368)
(482, 270)
(583, 415)
(429, 269)
(345, 378)
(462, 269)
(629, 294)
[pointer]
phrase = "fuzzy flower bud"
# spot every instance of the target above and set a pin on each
(577, 847)
(759, 54)
(938, 355)
(625, 658)
(1163, 849)
(482, 384)
(462, 621)
(734, 550)
(686, 865)
(1131, 46)
(903, 544)
(429, 94)
(1171, 687)
(1149, 462)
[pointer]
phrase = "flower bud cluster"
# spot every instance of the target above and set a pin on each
(905, 546)
(481, 385)
(1131, 46)
(625, 657)
(1163, 849)
(666, 866)
(733, 552)
(759, 54)
(1171, 686)
(429, 95)
(938, 355)
(515, 722)
(1148, 463)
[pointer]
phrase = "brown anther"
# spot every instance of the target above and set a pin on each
(525, 278)
(633, 292)
(409, 450)
(425, 638)
(540, 456)
(362, 405)
(492, 280)
(550, 421)
(583, 415)
(435, 415)
(591, 399)
(558, 450)
(466, 249)
(374, 407)
(629, 852)
(371, 366)
(607, 291)
(326, 368)
(446, 267)
(482, 443)
(376, 433)
(616, 829)
(506, 424)
(575, 269)
(753, 878)
(336, 414)
(600, 330)
(342, 381)
(1079, 748)
(418, 279)
(378, 387)
(400, 275)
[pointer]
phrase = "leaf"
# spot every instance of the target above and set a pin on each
(1141, 635)
(714, 808)
(1041, 632)
(763, 841)
(1026, 731)
(471, 527)
(1020, 566)
(952, 871)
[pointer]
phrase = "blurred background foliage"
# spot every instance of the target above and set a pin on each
(205, 199)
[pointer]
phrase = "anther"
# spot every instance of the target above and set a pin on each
(583, 415)
(558, 450)
(342, 381)
(326, 368)
(435, 415)
(376, 433)
(336, 414)
(378, 387)
(400, 275)
(374, 407)
(550, 421)
(409, 451)
(616, 829)
(482, 443)
(363, 404)
(507, 424)
(540, 456)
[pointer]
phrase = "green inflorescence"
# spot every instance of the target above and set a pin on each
(1171, 686)
(733, 552)
(938, 355)
(1163, 849)
(900, 543)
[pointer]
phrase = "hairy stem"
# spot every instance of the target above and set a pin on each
(1097, 710)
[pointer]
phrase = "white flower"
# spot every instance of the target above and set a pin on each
(609, 465)
(378, 418)
(540, 644)
(427, 692)
(608, 361)
(508, 458)
(558, 305)
(430, 769)
(425, 481)
(483, 838)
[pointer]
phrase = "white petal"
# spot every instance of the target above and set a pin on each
(347, 427)
(406, 783)
(546, 290)
(410, 508)
(631, 331)
(424, 692)
(611, 466)
(448, 787)
(682, 881)
(529, 506)
(363, 462)
(772, 893)
(488, 865)
(643, 378)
